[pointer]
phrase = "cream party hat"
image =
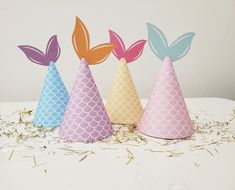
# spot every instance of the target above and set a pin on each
(123, 104)
(166, 115)
(85, 116)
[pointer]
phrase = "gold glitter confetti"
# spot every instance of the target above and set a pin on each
(209, 135)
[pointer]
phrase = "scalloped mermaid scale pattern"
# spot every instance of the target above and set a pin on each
(85, 117)
(166, 115)
(123, 104)
(53, 100)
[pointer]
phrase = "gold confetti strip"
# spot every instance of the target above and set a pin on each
(12, 152)
(83, 158)
(175, 154)
(26, 156)
(130, 156)
(71, 151)
(29, 147)
(129, 160)
(51, 152)
(216, 150)
(39, 165)
(88, 153)
(210, 152)
(158, 151)
(170, 153)
(196, 164)
(108, 148)
(34, 160)
(196, 149)
(129, 152)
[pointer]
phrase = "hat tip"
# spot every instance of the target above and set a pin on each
(167, 59)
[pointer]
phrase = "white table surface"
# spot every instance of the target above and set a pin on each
(212, 168)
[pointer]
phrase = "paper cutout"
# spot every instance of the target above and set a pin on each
(159, 45)
(54, 96)
(132, 53)
(53, 50)
(123, 104)
(81, 44)
(85, 116)
(181, 46)
(166, 115)
(119, 50)
(37, 56)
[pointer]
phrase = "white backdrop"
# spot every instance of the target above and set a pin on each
(207, 70)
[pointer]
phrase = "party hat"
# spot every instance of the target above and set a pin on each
(54, 96)
(123, 104)
(166, 115)
(85, 116)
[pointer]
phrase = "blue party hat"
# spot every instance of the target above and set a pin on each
(53, 100)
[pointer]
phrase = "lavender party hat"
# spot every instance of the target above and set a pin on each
(54, 96)
(85, 116)
(166, 115)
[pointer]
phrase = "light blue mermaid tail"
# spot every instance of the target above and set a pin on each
(159, 44)
(53, 100)
(54, 96)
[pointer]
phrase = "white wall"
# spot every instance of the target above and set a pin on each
(207, 70)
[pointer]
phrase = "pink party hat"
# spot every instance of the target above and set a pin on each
(85, 117)
(166, 115)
